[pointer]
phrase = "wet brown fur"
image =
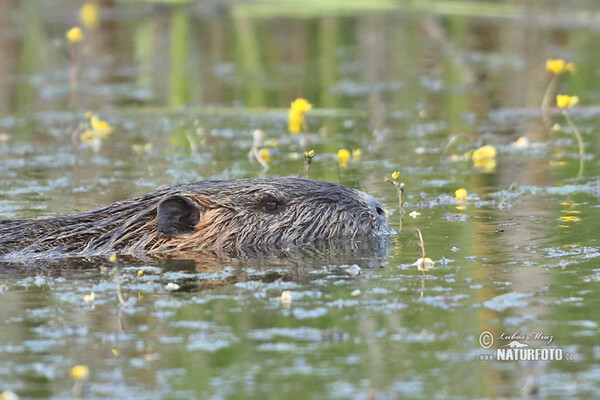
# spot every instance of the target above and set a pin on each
(233, 217)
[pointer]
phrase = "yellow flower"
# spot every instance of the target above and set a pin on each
(79, 372)
(265, 155)
(87, 136)
(570, 67)
(343, 155)
(564, 100)
(460, 194)
(301, 105)
(88, 298)
(485, 158)
(424, 264)
(112, 258)
(395, 175)
(356, 153)
(296, 113)
(486, 165)
(556, 66)
(140, 272)
(101, 128)
(486, 152)
(89, 15)
(74, 35)
(309, 154)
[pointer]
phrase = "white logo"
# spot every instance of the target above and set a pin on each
(515, 344)
(486, 339)
(516, 350)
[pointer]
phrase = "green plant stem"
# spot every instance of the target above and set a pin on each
(579, 141)
(546, 100)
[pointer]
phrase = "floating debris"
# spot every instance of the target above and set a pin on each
(354, 270)
(286, 297)
(171, 287)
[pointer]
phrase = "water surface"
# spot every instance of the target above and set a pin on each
(184, 88)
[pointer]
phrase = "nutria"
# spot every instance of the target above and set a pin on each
(237, 215)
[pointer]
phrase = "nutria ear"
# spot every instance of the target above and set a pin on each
(177, 215)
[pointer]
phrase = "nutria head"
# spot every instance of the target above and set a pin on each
(262, 215)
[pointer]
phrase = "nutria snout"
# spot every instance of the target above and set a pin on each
(265, 214)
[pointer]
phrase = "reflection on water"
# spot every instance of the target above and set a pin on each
(184, 86)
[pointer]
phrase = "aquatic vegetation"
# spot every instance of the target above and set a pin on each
(564, 102)
(79, 372)
(556, 67)
(89, 298)
(460, 194)
(343, 155)
(100, 127)
(89, 15)
(95, 130)
(265, 155)
(296, 118)
(262, 155)
(308, 156)
(74, 35)
(485, 158)
(461, 197)
(424, 263)
(399, 187)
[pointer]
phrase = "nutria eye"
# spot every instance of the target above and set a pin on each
(270, 205)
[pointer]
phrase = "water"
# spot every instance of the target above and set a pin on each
(184, 87)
